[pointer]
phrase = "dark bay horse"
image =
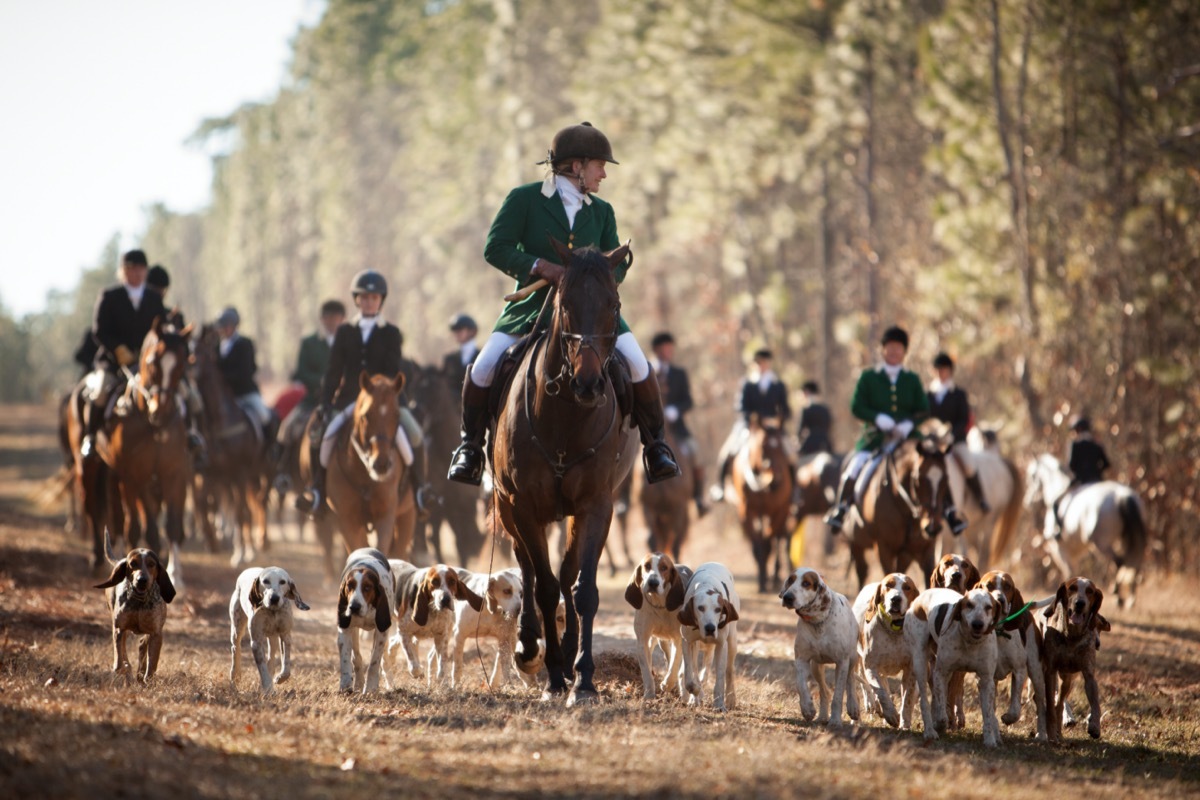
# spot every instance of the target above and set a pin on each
(561, 448)
(236, 477)
(665, 504)
(146, 441)
(901, 510)
(762, 483)
(436, 403)
(364, 475)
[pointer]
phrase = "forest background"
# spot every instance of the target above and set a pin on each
(1014, 181)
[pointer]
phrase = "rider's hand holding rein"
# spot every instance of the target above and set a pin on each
(548, 270)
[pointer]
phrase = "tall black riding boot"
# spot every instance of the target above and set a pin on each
(648, 414)
(977, 490)
(420, 483)
(467, 464)
(93, 415)
(836, 517)
(313, 498)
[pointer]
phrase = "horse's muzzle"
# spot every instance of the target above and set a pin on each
(589, 392)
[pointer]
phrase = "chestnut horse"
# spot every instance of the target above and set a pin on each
(146, 442)
(365, 473)
(762, 482)
(235, 478)
(561, 448)
(901, 510)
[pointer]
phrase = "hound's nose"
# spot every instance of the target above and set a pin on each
(710, 629)
(652, 584)
(356, 608)
(787, 600)
(977, 626)
(274, 600)
(894, 606)
(142, 581)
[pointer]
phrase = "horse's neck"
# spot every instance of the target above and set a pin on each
(1054, 478)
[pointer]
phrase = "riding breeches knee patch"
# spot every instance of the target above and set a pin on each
(631, 351)
(483, 369)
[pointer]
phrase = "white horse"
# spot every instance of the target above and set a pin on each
(1104, 520)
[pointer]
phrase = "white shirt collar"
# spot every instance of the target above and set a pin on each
(660, 367)
(227, 344)
(367, 325)
(467, 351)
(765, 379)
(136, 293)
(893, 373)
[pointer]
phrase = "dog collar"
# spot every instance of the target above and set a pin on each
(894, 625)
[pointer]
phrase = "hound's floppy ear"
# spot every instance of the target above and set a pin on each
(383, 611)
(421, 607)
(729, 613)
(687, 615)
(343, 607)
(956, 611)
(294, 595)
(633, 592)
(1100, 624)
(676, 593)
(1018, 603)
(973, 575)
(256, 597)
(1059, 597)
(120, 572)
(1099, 600)
(876, 602)
(463, 592)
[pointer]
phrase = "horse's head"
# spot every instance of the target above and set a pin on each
(921, 468)
(1044, 480)
(376, 418)
(164, 358)
(587, 312)
(766, 455)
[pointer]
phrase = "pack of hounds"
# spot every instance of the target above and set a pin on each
(927, 640)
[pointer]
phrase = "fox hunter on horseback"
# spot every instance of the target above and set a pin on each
(1087, 462)
(948, 403)
(563, 206)
(159, 280)
(124, 315)
(890, 401)
(370, 344)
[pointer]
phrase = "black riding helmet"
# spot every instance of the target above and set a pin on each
(943, 360)
(1081, 424)
(158, 277)
(368, 281)
(580, 141)
(463, 322)
(895, 334)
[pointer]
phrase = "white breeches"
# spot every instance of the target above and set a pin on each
(857, 462)
(335, 425)
(254, 404)
(483, 371)
(962, 454)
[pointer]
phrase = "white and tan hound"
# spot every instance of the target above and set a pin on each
(656, 591)
(708, 619)
(365, 602)
(826, 633)
(261, 604)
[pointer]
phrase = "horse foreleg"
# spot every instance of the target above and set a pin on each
(256, 496)
(587, 540)
(568, 574)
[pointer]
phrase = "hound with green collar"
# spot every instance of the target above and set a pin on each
(880, 610)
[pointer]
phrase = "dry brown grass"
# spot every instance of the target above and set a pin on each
(72, 730)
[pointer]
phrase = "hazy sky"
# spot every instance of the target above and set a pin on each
(98, 97)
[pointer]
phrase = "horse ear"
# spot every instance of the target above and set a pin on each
(564, 252)
(364, 381)
(156, 325)
(633, 592)
(398, 384)
(755, 422)
(617, 257)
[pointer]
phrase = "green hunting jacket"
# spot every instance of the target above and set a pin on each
(875, 394)
(311, 365)
(520, 234)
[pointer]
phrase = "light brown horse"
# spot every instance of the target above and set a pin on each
(561, 448)
(762, 483)
(901, 511)
(365, 473)
(235, 478)
(665, 504)
(145, 442)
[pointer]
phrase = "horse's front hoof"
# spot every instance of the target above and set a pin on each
(583, 697)
(531, 665)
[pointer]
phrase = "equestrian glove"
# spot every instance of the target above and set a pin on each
(884, 422)
(124, 355)
(904, 428)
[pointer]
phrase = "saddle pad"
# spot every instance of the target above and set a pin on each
(864, 478)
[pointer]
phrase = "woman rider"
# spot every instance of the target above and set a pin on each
(563, 206)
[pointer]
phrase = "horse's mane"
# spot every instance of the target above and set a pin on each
(587, 264)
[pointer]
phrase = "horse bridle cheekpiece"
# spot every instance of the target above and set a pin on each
(589, 341)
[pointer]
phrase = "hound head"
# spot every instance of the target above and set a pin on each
(439, 588)
(805, 592)
(273, 588)
(1081, 600)
(142, 569)
(977, 614)
(504, 595)
(894, 594)
(658, 582)
(1004, 591)
(708, 610)
(954, 572)
(362, 595)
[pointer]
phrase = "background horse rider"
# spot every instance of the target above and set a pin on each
(312, 362)
(815, 422)
(948, 403)
(123, 316)
(565, 206)
(238, 366)
(762, 394)
(676, 403)
(455, 363)
(1086, 460)
(890, 401)
(367, 343)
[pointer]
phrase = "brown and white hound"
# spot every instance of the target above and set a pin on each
(656, 591)
(826, 633)
(365, 603)
(137, 591)
(1071, 628)
(261, 604)
(1018, 646)
(880, 610)
(425, 610)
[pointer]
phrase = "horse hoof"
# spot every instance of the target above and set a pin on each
(531, 666)
(582, 697)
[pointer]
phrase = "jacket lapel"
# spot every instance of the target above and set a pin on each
(554, 207)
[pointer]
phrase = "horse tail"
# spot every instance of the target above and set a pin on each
(1133, 531)
(1006, 524)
